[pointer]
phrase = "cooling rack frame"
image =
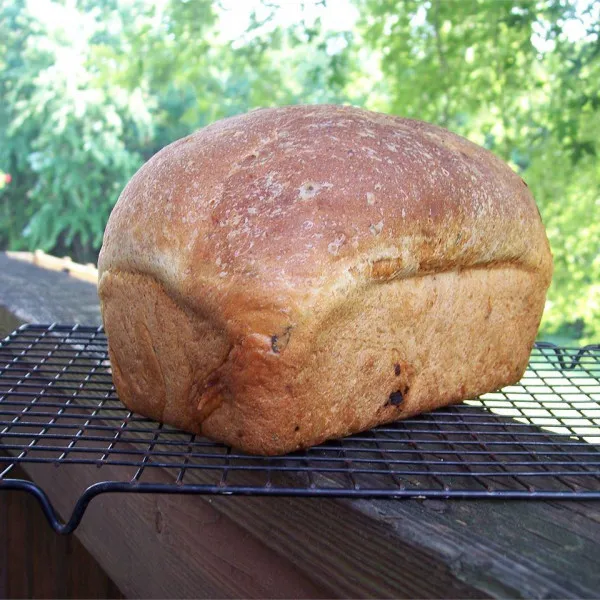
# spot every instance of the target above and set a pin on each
(518, 443)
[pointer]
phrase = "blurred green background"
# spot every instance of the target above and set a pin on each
(91, 89)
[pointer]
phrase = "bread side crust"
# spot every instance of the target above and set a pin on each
(164, 357)
(386, 351)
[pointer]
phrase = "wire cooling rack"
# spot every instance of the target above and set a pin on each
(58, 407)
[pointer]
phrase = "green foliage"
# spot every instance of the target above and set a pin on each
(66, 135)
(91, 89)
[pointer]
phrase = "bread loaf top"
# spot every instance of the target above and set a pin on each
(269, 211)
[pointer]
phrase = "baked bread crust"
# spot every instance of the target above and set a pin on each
(300, 273)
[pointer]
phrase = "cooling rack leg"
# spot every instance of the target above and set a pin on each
(53, 517)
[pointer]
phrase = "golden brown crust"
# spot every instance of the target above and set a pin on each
(262, 232)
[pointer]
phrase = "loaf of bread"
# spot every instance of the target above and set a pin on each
(297, 274)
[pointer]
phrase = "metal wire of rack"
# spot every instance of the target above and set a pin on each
(538, 439)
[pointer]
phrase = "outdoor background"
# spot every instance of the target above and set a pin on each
(89, 90)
